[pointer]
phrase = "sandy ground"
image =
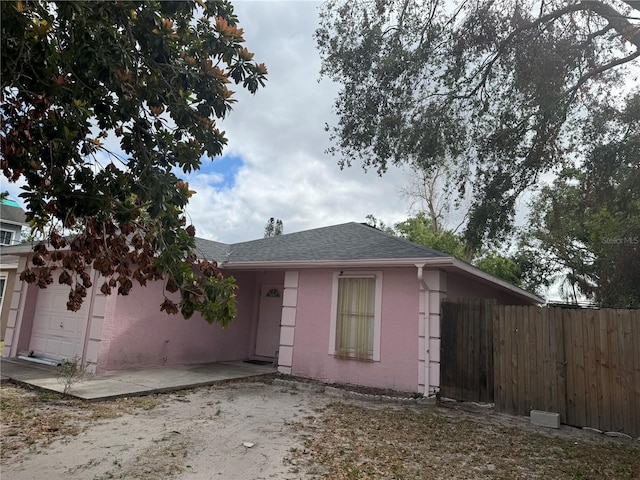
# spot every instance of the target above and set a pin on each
(289, 430)
(239, 431)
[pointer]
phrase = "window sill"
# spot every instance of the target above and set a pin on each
(353, 358)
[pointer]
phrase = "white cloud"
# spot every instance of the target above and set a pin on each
(279, 134)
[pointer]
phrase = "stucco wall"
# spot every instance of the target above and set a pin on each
(398, 365)
(135, 333)
(460, 286)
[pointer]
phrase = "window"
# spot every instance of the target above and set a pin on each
(273, 293)
(355, 325)
(5, 237)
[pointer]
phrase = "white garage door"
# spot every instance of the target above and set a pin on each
(58, 333)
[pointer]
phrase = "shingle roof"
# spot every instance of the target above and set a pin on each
(348, 241)
(212, 250)
(9, 212)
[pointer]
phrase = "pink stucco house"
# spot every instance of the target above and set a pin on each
(345, 304)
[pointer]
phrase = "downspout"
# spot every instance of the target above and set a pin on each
(421, 278)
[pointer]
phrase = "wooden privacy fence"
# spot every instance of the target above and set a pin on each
(581, 363)
(466, 354)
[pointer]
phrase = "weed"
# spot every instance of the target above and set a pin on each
(72, 371)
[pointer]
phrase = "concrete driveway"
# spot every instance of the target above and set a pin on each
(134, 382)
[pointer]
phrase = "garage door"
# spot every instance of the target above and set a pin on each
(58, 333)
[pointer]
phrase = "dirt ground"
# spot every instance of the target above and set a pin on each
(237, 431)
(255, 430)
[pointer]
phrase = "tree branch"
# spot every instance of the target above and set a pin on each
(616, 20)
(623, 26)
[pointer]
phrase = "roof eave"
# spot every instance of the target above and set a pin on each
(288, 264)
(444, 263)
(487, 277)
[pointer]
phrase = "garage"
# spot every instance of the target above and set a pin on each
(58, 333)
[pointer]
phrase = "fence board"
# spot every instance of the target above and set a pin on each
(519, 406)
(626, 365)
(605, 371)
(635, 334)
(532, 359)
(583, 364)
(461, 368)
(447, 355)
(614, 352)
(467, 350)
(568, 338)
(548, 376)
(499, 346)
(577, 318)
(509, 362)
(486, 353)
(591, 381)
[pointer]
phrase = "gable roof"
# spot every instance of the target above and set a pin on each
(348, 241)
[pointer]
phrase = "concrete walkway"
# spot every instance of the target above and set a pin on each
(130, 383)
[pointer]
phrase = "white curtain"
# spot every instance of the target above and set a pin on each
(356, 311)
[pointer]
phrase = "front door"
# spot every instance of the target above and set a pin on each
(58, 333)
(268, 331)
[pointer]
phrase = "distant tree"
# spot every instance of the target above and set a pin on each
(420, 229)
(500, 266)
(379, 224)
(431, 193)
(273, 228)
(101, 103)
(499, 90)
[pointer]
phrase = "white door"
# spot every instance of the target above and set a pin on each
(268, 331)
(58, 333)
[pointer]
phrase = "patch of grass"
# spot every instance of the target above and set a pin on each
(29, 418)
(148, 402)
(356, 442)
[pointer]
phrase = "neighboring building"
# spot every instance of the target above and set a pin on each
(342, 304)
(12, 219)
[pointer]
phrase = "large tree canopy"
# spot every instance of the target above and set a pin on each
(496, 91)
(585, 227)
(102, 103)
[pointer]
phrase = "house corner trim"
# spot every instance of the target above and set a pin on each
(288, 321)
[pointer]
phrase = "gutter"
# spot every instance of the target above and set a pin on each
(444, 263)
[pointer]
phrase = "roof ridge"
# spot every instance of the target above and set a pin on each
(299, 232)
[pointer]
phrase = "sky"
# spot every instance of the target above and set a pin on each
(275, 163)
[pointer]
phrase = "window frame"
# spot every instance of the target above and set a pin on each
(11, 234)
(377, 318)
